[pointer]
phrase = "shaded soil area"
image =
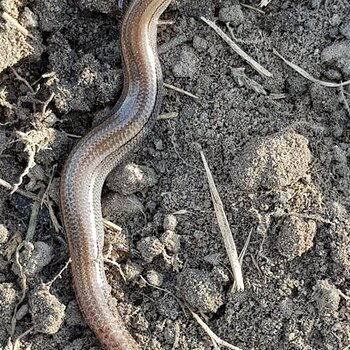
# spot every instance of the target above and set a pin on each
(278, 148)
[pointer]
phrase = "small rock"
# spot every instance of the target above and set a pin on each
(131, 179)
(170, 222)
(232, 14)
(4, 234)
(199, 43)
(327, 297)
(22, 311)
(337, 56)
(332, 74)
(200, 290)
(29, 18)
(171, 241)
(159, 145)
(150, 247)
(155, 278)
(295, 237)
(116, 206)
(34, 258)
(46, 310)
(186, 64)
(132, 270)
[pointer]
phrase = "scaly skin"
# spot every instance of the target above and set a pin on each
(96, 155)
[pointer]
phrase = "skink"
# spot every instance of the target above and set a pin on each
(96, 155)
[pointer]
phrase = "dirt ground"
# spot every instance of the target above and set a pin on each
(278, 148)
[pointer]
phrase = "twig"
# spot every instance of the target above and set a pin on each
(112, 226)
(22, 274)
(224, 227)
(45, 195)
(55, 223)
(23, 80)
(27, 194)
(166, 116)
(109, 261)
(15, 345)
(307, 75)
(214, 338)
(175, 88)
(23, 285)
(46, 103)
(64, 268)
(73, 136)
(260, 69)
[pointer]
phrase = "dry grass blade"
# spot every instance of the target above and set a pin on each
(112, 226)
(224, 228)
(307, 75)
(253, 8)
(175, 88)
(259, 68)
(217, 342)
(34, 217)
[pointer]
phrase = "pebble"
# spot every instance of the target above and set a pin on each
(155, 278)
(150, 247)
(131, 178)
(186, 64)
(116, 206)
(171, 241)
(170, 222)
(232, 14)
(337, 55)
(200, 290)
